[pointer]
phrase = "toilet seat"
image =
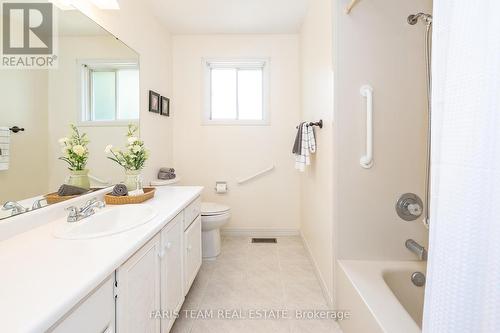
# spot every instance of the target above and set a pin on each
(213, 209)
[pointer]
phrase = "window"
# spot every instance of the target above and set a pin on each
(236, 92)
(109, 92)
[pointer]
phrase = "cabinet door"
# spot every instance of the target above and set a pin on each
(172, 285)
(95, 314)
(138, 290)
(192, 253)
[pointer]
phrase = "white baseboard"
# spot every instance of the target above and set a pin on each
(317, 272)
(256, 232)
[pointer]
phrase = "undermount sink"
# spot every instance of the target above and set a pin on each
(106, 222)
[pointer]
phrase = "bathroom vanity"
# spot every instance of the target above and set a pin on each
(131, 281)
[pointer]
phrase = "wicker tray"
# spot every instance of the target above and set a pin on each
(149, 192)
(53, 198)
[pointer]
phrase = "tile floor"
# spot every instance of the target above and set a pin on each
(250, 280)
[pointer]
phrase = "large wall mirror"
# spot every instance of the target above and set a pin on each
(95, 87)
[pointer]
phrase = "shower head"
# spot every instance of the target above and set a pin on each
(413, 19)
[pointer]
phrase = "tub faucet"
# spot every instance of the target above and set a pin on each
(416, 248)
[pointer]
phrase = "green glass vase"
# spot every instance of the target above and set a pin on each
(79, 178)
(132, 179)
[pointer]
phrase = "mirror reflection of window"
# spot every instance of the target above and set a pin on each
(109, 92)
(102, 96)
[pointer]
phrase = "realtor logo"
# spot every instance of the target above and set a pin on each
(27, 35)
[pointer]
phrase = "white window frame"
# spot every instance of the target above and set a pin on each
(84, 96)
(238, 63)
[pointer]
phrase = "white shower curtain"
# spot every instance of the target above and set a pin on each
(463, 289)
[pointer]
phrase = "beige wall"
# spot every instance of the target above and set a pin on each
(206, 154)
(23, 95)
(64, 106)
(374, 45)
(136, 26)
(317, 103)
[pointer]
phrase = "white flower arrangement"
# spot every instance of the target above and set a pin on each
(75, 149)
(135, 155)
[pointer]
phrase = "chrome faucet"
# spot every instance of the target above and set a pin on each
(37, 204)
(416, 248)
(77, 214)
(15, 208)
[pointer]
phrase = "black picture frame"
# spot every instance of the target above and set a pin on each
(154, 102)
(165, 106)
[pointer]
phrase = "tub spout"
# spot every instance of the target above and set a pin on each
(416, 248)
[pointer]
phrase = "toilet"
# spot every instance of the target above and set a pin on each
(213, 217)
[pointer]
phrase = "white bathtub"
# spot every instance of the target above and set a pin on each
(380, 296)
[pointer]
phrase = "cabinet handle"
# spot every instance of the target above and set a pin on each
(167, 246)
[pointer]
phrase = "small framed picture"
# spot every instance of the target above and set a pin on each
(154, 102)
(165, 106)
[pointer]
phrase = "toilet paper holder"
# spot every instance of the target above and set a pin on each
(221, 187)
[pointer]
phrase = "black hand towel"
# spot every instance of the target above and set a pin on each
(119, 190)
(297, 145)
(168, 170)
(67, 190)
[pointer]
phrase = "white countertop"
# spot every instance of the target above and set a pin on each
(42, 278)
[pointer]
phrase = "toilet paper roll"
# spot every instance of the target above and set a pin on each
(221, 188)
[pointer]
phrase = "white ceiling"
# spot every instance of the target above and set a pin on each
(231, 16)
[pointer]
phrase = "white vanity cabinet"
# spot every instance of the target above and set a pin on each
(192, 211)
(172, 283)
(94, 314)
(158, 276)
(148, 290)
(192, 254)
(138, 290)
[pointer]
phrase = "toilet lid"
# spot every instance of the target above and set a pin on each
(212, 208)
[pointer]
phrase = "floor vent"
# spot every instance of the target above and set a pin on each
(264, 240)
